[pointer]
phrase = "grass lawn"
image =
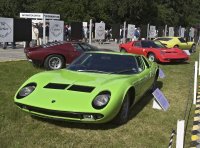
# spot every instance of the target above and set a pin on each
(147, 127)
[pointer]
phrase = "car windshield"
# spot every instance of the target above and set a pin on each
(105, 63)
(88, 47)
(152, 44)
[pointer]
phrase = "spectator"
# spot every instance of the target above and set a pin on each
(40, 35)
(35, 35)
(47, 32)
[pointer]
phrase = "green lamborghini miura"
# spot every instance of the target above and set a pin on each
(97, 87)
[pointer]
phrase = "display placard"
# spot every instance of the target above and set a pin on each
(161, 99)
(100, 31)
(56, 30)
(131, 31)
(152, 31)
(183, 32)
(6, 29)
(161, 73)
(171, 31)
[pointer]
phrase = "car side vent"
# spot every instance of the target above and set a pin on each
(81, 88)
(56, 86)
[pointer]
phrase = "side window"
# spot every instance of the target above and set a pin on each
(137, 44)
(182, 40)
(77, 47)
(146, 62)
(140, 63)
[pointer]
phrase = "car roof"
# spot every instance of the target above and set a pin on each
(116, 53)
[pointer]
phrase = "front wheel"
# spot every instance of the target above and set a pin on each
(122, 116)
(152, 57)
(193, 48)
(54, 62)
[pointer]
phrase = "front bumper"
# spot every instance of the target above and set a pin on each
(168, 59)
(63, 115)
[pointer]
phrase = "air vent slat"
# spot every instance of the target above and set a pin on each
(56, 86)
(81, 88)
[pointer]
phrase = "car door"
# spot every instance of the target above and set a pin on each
(182, 43)
(136, 48)
(74, 51)
(144, 77)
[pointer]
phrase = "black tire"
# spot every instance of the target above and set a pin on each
(123, 115)
(54, 62)
(151, 57)
(123, 50)
(176, 46)
(193, 48)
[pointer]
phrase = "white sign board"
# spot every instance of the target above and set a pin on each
(171, 31)
(191, 34)
(160, 98)
(131, 31)
(152, 32)
(40, 16)
(100, 31)
(182, 32)
(6, 30)
(161, 74)
(56, 30)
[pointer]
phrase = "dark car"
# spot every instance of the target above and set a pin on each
(57, 54)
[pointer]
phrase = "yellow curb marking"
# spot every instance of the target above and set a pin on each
(195, 137)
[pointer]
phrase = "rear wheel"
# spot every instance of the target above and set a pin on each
(122, 116)
(176, 46)
(123, 50)
(54, 62)
(152, 57)
(193, 48)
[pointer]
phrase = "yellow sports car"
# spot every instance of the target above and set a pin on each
(178, 42)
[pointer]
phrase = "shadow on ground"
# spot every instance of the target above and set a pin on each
(138, 107)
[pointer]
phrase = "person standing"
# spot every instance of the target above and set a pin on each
(47, 32)
(40, 33)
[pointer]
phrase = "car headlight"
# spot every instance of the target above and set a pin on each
(101, 100)
(26, 90)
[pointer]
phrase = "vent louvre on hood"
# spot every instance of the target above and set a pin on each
(56, 86)
(81, 88)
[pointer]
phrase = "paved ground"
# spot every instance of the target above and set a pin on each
(16, 54)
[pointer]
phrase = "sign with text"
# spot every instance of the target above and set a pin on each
(6, 30)
(131, 31)
(40, 16)
(56, 30)
(171, 31)
(152, 32)
(182, 32)
(161, 73)
(161, 99)
(100, 31)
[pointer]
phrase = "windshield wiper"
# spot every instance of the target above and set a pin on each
(125, 70)
(97, 71)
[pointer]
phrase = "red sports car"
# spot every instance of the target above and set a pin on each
(155, 51)
(57, 54)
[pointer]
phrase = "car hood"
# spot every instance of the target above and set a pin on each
(72, 91)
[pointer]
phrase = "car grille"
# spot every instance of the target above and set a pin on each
(64, 114)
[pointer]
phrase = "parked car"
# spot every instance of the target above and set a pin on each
(177, 42)
(57, 54)
(92, 89)
(154, 51)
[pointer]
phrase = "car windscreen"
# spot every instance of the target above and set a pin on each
(105, 63)
(152, 44)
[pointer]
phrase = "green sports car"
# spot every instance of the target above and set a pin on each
(97, 87)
